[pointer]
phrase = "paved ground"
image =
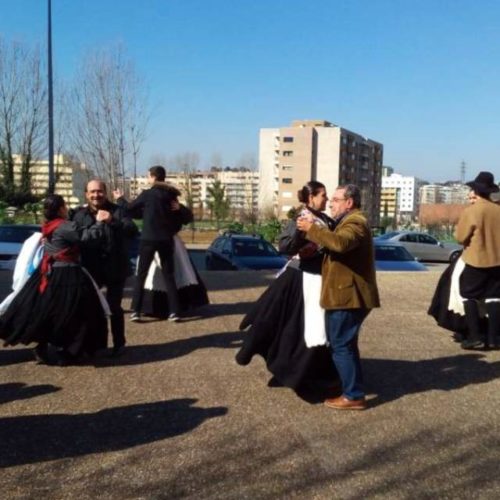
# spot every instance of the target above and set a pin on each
(175, 417)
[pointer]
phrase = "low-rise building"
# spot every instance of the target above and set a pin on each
(70, 178)
(241, 188)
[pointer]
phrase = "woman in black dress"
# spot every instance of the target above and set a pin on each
(59, 304)
(286, 333)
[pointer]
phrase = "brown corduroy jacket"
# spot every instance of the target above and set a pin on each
(478, 230)
(348, 271)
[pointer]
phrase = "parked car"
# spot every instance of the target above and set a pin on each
(12, 237)
(232, 251)
(393, 256)
(424, 246)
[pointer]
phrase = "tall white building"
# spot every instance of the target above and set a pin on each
(407, 186)
(289, 157)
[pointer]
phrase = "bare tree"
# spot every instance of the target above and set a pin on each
(187, 163)
(23, 116)
(110, 114)
(248, 161)
(216, 160)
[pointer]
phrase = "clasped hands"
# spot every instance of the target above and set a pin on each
(305, 221)
(103, 216)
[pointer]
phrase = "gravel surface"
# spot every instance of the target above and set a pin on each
(176, 417)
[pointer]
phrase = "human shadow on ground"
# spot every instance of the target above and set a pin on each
(226, 309)
(234, 280)
(313, 392)
(15, 356)
(38, 438)
(17, 390)
(391, 379)
(205, 311)
(152, 353)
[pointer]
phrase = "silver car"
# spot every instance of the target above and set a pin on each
(423, 246)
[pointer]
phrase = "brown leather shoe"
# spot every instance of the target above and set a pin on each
(343, 403)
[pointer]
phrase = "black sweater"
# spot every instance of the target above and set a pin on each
(154, 206)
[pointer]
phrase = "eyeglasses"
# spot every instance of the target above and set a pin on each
(339, 199)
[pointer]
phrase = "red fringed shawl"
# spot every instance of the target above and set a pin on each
(68, 254)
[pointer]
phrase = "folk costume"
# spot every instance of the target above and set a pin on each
(191, 290)
(478, 229)
(59, 304)
(286, 324)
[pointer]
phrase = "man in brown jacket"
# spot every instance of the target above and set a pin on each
(349, 288)
(478, 229)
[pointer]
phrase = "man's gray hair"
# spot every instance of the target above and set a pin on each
(352, 191)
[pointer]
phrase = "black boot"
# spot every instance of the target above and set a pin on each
(474, 339)
(493, 310)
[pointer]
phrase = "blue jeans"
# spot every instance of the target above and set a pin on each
(342, 327)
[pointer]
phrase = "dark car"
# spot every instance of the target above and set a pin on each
(12, 237)
(391, 256)
(242, 251)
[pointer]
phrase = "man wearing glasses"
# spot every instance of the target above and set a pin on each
(349, 288)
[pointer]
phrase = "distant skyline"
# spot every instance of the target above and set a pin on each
(420, 77)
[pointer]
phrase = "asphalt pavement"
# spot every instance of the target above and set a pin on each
(176, 417)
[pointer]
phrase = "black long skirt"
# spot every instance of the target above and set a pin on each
(155, 303)
(276, 332)
(68, 314)
(439, 305)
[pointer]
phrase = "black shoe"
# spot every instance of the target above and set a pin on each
(117, 351)
(64, 358)
(472, 345)
(41, 354)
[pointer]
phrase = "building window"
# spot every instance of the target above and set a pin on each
(287, 153)
(287, 180)
(287, 167)
(287, 139)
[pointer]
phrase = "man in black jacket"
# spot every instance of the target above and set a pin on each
(108, 261)
(158, 207)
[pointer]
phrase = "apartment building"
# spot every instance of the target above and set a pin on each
(241, 188)
(389, 202)
(289, 157)
(450, 194)
(408, 199)
(70, 178)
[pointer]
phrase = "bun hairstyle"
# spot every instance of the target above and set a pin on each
(51, 206)
(312, 188)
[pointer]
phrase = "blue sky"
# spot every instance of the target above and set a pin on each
(422, 77)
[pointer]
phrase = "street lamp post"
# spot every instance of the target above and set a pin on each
(50, 103)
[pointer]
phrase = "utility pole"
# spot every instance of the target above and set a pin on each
(462, 172)
(52, 183)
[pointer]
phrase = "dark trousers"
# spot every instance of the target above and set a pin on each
(147, 251)
(114, 296)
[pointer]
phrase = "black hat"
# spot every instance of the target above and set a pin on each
(484, 183)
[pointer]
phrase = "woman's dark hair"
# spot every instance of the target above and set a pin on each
(51, 206)
(312, 188)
